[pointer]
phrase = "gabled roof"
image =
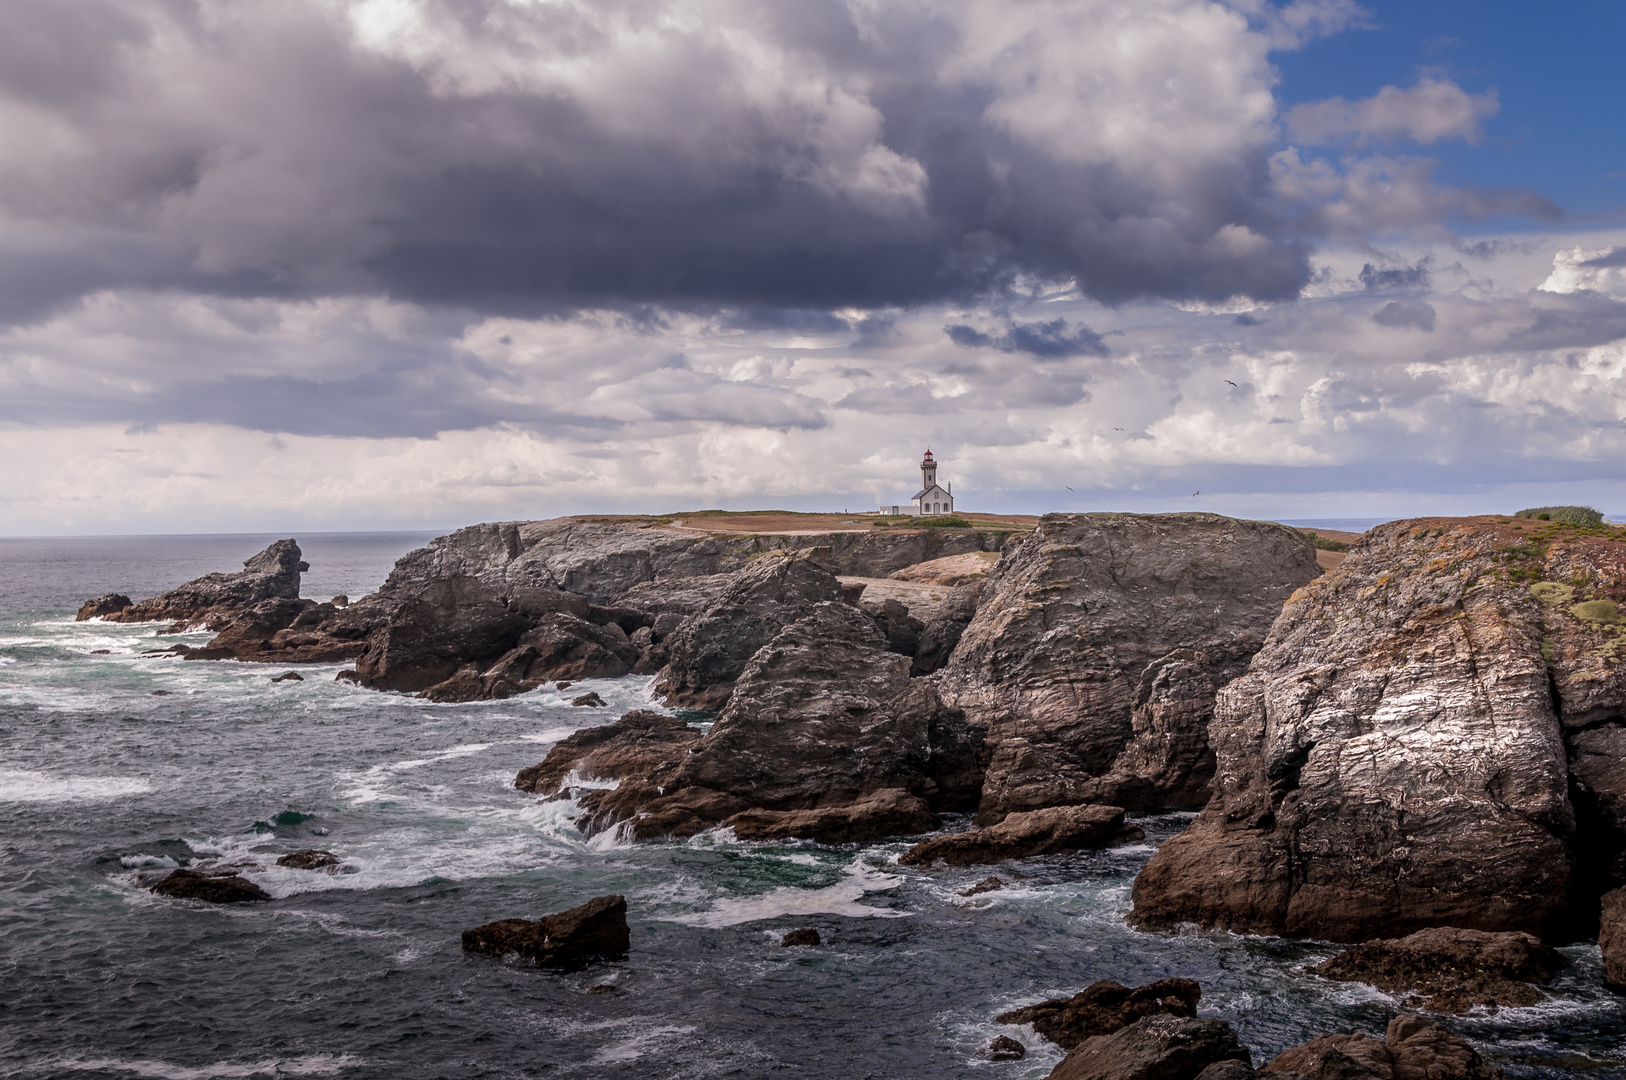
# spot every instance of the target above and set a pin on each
(934, 487)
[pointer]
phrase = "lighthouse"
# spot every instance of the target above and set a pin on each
(932, 499)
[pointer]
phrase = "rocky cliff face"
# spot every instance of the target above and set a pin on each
(273, 574)
(1098, 646)
(824, 737)
(1399, 754)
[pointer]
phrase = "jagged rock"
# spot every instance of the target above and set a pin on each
(1105, 1007)
(901, 630)
(595, 930)
(340, 601)
(283, 630)
(1077, 626)
(641, 743)
(799, 937)
(1391, 760)
(289, 676)
(591, 701)
(890, 812)
(949, 570)
(1020, 835)
(1005, 1048)
(942, 632)
(1455, 969)
(987, 884)
(450, 623)
(309, 859)
(110, 604)
(1230, 1070)
(215, 889)
(1412, 1049)
(825, 737)
(1153, 1048)
(710, 650)
(272, 574)
(561, 646)
(1612, 938)
(823, 715)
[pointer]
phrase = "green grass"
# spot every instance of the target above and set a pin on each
(1323, 544)
(1569, 515)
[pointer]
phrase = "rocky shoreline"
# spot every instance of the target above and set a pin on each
(1429, 739)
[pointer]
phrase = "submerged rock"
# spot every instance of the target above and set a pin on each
(987, 884)
(272, 574)
(588, 701)
(1153, 1048)
(1005, 1048)
(889, 812)
(1105, 1007)
(1392, 759)
(1098, 646)
(215, 889)
(1020, 835)
(289, 676)
(595, 930)
(640, 744)
(1412, 1049)
(799, 937)
(309, 859)
(1455, 969)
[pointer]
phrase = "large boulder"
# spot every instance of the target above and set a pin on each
(211, 888)
(103, 606)
(1453, 969)
(1412, 1049)
(1098, 645)
(1392, 759)
(448, 624)
(595, 930)
(1158, 1047)
(1026, 833)
(825, 738)
(709, 651)
(1105, 1007)
(273, 574)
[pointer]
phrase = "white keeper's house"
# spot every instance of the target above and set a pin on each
(932, 498)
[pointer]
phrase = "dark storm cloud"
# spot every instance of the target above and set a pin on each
(1044, 340)
(866, 160)
(1416, 314)
(1405, 277)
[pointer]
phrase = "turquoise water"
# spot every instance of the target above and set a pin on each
(116, 767)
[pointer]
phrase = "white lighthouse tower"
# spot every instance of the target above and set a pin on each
(932, 498)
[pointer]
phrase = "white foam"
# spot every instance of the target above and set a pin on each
(842, 898)
(634, 1048)
(311, 1065)
(21, 785)
(551, 735)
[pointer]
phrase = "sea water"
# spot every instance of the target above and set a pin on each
(117, 765)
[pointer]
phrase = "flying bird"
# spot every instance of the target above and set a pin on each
(1068, 488)
(1117, 429)
(1228, 382)
(1194, 494)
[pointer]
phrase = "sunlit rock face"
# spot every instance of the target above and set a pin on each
(1400, 753)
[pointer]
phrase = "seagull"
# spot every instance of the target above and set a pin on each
(1117, 429)
(1194, 494)
(1068, 488)
(1228, 382)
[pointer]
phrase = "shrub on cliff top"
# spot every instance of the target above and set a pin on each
(1570, 515)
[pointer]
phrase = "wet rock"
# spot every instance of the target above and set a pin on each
(347, 675)
(710, 650)
(309, 859)
(1074, 631)
(1391, 760)
(1153, 1048)
(272, 574)
(1453, 969)
(640, 744)
(1005, 1048)
(1105, 1007)
(592, 701)
(1612, 938)
(799, 937)
(289, 676)
(444, 627)
(1020, 835)
(889, 812)
(987, 884)
(942, 632)
(1412, 1049)
(214, 889)
(110, 604)
(340, 601)
(101, 652)
(603, 988)
(595, 930)
(644, 811)
(1230, 1070)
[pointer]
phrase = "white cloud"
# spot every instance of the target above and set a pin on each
(1601, 271)
(1432, 110)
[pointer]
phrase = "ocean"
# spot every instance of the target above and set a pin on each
(117, 765)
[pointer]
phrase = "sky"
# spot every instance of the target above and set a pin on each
(411, 264)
